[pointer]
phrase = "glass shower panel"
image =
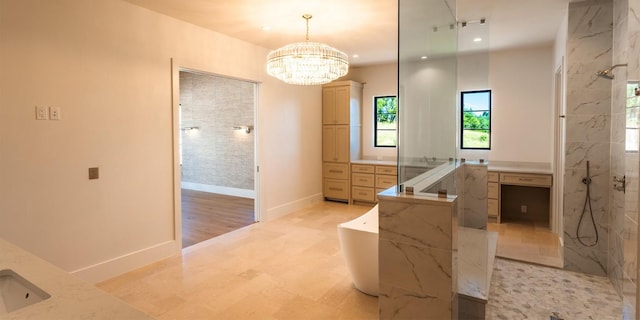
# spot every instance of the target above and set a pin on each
(427, 88)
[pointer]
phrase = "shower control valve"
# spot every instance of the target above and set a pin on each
(619, 183)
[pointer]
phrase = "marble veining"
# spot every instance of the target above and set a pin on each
(588, 132)
(71, 298)
(474, 196)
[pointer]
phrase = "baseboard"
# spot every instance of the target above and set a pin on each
(285, 209)
(125, 263)
(235, 192)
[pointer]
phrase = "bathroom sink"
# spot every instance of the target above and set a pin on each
(16, 292)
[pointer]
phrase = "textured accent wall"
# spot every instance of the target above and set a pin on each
(216, 154)
(588, 132)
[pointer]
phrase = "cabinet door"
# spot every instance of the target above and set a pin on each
(342, 105)
(329, 143)
(336, 105)
(328, 105)
(335, 143)
(342, 143)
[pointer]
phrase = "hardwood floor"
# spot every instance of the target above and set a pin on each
(207, 215)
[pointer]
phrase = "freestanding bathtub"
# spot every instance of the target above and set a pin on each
(359, 243)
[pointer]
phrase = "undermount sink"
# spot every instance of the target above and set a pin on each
(17, 292)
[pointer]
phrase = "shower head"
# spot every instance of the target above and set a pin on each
(607, 73)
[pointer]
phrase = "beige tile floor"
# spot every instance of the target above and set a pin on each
(289, 268)
(527, 241)
(292, 268)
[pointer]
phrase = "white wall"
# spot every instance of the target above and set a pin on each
(379, 80)
(107, 65)
(521, 81)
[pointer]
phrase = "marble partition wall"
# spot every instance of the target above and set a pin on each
(417, 248)
(588, 133)
(474, 195)
(630, 231)
(617, 158)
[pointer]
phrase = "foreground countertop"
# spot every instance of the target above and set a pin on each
(71, 297)
(375, 162)
(520, 167)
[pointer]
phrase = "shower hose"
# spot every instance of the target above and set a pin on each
(587, 202)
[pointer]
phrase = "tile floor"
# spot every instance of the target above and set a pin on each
(289, 268)
(527, 241)
(292, 268)
(525, 291)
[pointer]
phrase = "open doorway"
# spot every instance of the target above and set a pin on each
(217, 155)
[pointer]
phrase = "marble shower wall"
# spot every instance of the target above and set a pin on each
(215, 154)
(631, 52)
(588, 133)
(617, 158)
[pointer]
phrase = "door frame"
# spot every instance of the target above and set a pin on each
(176, 67)
(559, 150)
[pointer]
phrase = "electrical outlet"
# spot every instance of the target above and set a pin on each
(41, 113)
(523, 209)
(54, 113)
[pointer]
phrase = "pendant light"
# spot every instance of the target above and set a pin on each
(307, 63)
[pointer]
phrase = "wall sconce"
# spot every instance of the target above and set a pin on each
(188, 129)
(247, 129)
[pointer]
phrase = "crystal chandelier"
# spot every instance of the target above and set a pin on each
(307, 63)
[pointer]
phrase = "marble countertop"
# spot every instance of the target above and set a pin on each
(520, 167)
(71, 297)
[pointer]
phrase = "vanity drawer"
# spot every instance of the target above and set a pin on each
(493, 176)
(363, 194)
(493, 190)
(387, 170)
(362, 168)
(336, 189)
(542, 180)
(336, 170)
(384, 182)
(493, 207)
(362, 179)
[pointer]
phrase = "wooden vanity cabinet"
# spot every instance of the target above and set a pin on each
(367, 180)
(341, 135)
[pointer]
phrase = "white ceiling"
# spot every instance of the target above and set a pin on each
(367, 28)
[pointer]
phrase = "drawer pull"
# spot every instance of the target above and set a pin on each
(335, 189)
(362, 193)
(335, 171)
(525, 179)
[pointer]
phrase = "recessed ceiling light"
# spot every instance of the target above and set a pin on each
(355, 56)
(266, 28)
(477, 39)
(423, 57)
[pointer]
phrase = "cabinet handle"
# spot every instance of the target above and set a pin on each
(525, 179)
(335, 171)
(335, 189)
(362, 193)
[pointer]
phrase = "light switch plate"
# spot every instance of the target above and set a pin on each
(41, 113)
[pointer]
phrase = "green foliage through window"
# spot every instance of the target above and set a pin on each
(476, 119)
(386, 125)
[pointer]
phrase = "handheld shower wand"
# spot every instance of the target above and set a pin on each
(587, 202)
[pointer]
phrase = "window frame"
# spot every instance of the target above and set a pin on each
(375, 122)
(462, 113)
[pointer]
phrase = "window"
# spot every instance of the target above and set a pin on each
(386, 125)
(476, 119)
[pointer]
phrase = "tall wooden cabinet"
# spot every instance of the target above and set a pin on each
(341, 136)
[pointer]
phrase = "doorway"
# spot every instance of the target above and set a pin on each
(216, 147)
